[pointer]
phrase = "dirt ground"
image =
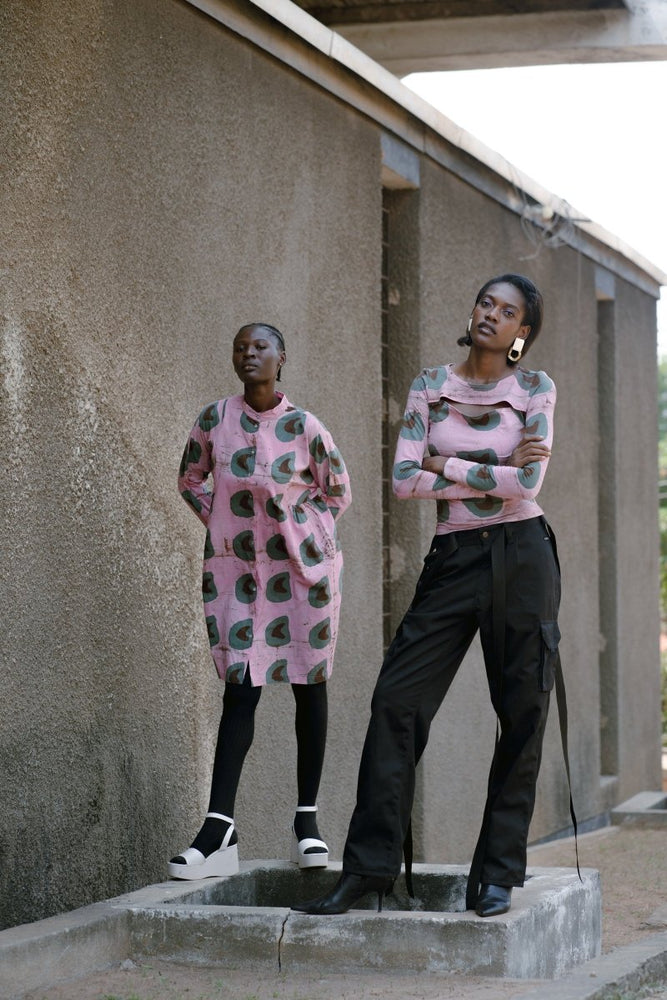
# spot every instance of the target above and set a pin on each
(633, 869)
(633, 872)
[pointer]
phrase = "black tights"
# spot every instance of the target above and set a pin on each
(235, 736)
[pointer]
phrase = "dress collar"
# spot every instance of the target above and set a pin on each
(276, 411)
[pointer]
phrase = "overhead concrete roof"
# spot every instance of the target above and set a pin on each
(377, 11)
(323, 56)
(408, 36)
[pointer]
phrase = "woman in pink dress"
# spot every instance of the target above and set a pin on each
(268, 482)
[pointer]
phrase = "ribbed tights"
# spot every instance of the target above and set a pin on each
(235, 736)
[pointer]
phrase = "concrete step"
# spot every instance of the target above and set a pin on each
(554, 925)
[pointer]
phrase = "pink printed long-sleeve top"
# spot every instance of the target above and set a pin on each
(272, 565)
(477, 486)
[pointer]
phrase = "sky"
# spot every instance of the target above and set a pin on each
(592, 134)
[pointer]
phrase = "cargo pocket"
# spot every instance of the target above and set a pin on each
(550, 654)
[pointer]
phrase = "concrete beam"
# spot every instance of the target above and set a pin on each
(638, 33)
(333, 12)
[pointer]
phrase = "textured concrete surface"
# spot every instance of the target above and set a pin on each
(647, 809)
(634, 883)
(166, 184)
(556, 911)
(76, 944)
(167, 181)
(559, 915)
(636, 971)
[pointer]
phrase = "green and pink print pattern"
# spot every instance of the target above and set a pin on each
(477, 487)
(272, 564)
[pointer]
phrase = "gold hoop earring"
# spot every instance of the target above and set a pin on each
(516, 350)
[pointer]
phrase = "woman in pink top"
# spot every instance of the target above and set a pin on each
(476, 439)
(271, 582)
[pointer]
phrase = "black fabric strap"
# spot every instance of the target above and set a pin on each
(562, 718)
(407, 855)
(498, 613)
(472, 889)
(561, 701)
(498, 567)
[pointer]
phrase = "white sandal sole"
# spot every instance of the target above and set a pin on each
(222, 862)
(298, 856)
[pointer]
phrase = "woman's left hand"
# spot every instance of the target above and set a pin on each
(434, 463)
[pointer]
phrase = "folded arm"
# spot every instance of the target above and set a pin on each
(410, 479)
(522, 476)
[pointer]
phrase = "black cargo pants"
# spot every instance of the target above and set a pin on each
(503, 580)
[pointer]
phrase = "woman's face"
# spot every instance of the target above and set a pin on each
(498, 318)
(256, 355)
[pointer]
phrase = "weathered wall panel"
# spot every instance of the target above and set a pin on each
(167, 184)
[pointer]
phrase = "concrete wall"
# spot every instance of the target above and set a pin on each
(637, 546)
(167, 185)
(168, 182)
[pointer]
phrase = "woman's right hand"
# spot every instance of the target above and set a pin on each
(529, 450)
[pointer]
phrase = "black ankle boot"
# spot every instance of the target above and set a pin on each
(347, 891)
(493, 900)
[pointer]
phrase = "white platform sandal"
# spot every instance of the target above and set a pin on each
(298, 853)
(224, 861)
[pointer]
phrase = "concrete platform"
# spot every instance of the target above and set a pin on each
(648, 809)
(554, 925)
(636, 972)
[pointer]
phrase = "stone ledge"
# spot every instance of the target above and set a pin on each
(647, 809)
(57, 949)
(554, 925)
(247, 918)
(626, 972)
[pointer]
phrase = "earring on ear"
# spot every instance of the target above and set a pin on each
(467, 340)
(516, 350)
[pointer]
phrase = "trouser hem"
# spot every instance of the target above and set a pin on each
(504, 883)
(370, 872)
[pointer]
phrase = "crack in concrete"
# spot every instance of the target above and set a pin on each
(280, 942)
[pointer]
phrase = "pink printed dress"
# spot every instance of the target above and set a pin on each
(272, 564)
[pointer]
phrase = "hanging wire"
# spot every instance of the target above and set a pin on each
(545, 226)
